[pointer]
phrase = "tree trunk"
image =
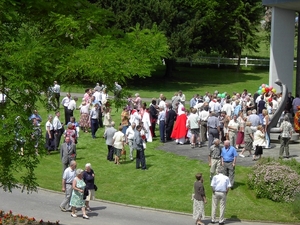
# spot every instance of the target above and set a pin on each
(298, 64)
(170, 64)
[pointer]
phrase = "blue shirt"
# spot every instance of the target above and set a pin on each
(229, 154)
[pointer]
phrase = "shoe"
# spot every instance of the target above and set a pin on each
(241, 155)
(85, 217)
(62, 209)
(222, 223)
(73, 215)
(88, 209)
(213, 222)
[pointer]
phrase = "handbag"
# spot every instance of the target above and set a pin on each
(95, 187)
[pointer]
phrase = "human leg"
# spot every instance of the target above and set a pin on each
(138, 159)
(130, 143)
(281, 149)
(143, 159)
(222, 207)
(65, 203)
(214, 206)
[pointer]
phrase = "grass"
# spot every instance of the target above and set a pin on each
(168, 183)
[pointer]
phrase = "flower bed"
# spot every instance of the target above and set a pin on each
(10, 219)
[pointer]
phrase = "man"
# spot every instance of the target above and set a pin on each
(108, 136)
(260, 106)
(67, 152)
(170, 119)
(286, 129)
(213, 128)
(67, 180)
(296, 103)
(204, 114)
(228, 157)
(56, 91)
(214, 157)
(71, 108)
(94, 115)
(217, 107)
(227, 107)
(193, 101)
(135, 117)
(182, 97)
(58, 130)
(220, 185)
(65, 102)
(254, 119)
(129, 139)
(35, 115)
(138, 146)
(100, 110)
(153, 117)
(233, 127)
(175, 100)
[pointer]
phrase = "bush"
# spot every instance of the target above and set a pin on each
(274, 181)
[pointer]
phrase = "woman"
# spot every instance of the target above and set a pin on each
(248, 139)
(259, 142)
(107, 118)
(137, 101)
(89, 179)
(118, 143)
(78, 186)
(71, 132)
(240, 134)
(50, 146)
(84, 116)
(266, 121)
(125, 119)
(147, 125)
(296, 120)
(199, 199)
(285, 136)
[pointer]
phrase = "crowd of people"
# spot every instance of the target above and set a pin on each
(234, 121)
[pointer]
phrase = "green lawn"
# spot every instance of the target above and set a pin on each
(168, 183)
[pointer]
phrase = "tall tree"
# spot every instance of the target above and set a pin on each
(62, 40)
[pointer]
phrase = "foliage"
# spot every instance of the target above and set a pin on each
(274, 181)
(63, 40)
(9, 218)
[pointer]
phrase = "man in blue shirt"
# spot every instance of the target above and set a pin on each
(228, 159)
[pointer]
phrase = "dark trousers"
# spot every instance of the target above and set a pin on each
(162, 130)
(169, 129)
(66, 114)
(57, 96)
(57, 137)
(94, 127)
(69, 115)
(153, 129)
(110, 152)
(212, 134)
(100, 119)
(140, 159)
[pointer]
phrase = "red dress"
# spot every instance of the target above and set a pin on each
(180, 130)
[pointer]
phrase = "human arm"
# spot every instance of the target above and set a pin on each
(63, 184)
(75, 187)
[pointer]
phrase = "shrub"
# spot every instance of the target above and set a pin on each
(274, 181)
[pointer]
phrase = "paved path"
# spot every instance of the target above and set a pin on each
(44, 205)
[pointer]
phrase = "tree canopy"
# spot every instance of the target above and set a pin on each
(67, 41)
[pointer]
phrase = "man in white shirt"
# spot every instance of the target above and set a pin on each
(129, 138)
(220, 185)
(182, 97)
(65, 102)
(71, 108)
(233, 127)
(56, 91)
(98, 96)
(203, 115)
(227, 107)
(58, 130)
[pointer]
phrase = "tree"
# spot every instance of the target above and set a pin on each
(62, 40)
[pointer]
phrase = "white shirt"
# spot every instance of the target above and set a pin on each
(49, 124)
(234, 124)
(228, 109)
(97, 96)
(204, 115)
(72, 105)
(162, 104)
(130, 133)
(69, 175)
(220, 183)
(211, 105)
(56, 88)
(56, 123)
(65, 102)
(2, 97)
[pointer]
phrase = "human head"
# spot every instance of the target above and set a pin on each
(248, 123)
(70, 126)
(286, 118)
(75, 99)
(79, 172)
(73, 164)
(265, 112)
(112, 123)
(259, 127)
(199, 177)
(216, 142)
(153, 102)
(226, 143)
(254, 111)
(120, 128)
(50, 117)
(57, 113)
(139, 127)
(67, 139)
(220, 170)
(133, 125)
(88, 167)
